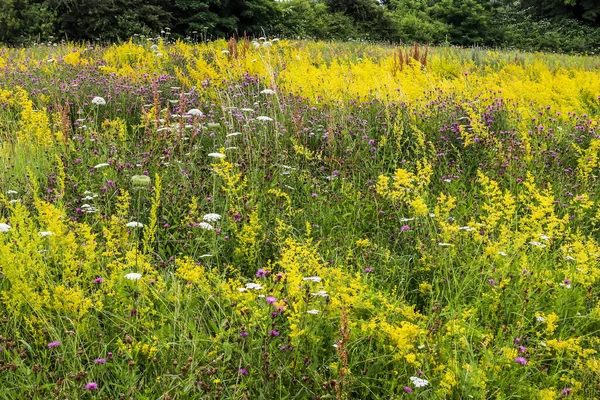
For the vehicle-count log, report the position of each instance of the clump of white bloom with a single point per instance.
(253, 286)
(313, 312)
(99, 101)
(233, 134)
(45, 233)
(4, 227)
(264, 118)
(206, 226)
(12, 192)
(267, 91)
(312, 279)
(133, 276)
(195, 112)
(134, 224)
(216, 155)
(419, 382)
(101, 165)
(211, 217)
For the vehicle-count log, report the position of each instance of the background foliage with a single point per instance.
(557, 25)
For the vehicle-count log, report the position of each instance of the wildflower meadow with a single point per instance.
(298, 220)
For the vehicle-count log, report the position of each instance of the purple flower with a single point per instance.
(274, 333)
(405, 228)
(243, 371)
(54, 344)
(100, 361)
(521, 360)
(314, 195)
(261, 273)
(368, 269)
(522, 349)
(271, 299)
(91, 386)
(244, 334)
(407, 389)
(98, 280)
(566, 391)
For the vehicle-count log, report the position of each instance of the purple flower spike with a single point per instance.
(54, 344)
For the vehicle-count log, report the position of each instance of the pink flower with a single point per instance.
(54, 344)
(271, 299)
(261, 273)
(405, 228)
(274, 333)
(521, 360)
(407, 389)
(91, 386)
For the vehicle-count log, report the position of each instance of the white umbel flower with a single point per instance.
(419, 382)
(315, 279)
(264, 118)
(45, 233)
(267, 91)
(99, 101)
(101, 165)
(206, 226)
(195, 112)
(253, 286)
(134, 224)
(4, 227)
(216, 155)
(211, 217)
(313, 312)
(133, 276)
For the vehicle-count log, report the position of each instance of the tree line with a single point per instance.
(553, 25)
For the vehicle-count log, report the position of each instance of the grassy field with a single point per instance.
(300, 220)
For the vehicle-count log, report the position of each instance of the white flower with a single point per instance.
(134, 224)
(320, 293)
(242, 289)
(445, 244)
(205, 255)
(101, 165)
(312, 279)
(247, 109)
(335, 345)
(14, 201)
(569, 258)
(211, 217)
(538, 244)
(195, 112)
(419, 382)
(539, 318)
(46, 233)
(4, 227)
(267, 91)
(466, 228)
(216, 155)
(206, 226)
(264, 118)
(12, 192)
(225, 51)
(234, 134)
(502, 253)
(313, 312)
(99, 101)
(565, 285)
(544, 237)
(253, 286)
(406, 219)
(431, 215)
(231, 148)
(133, 276)
(267, 44)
